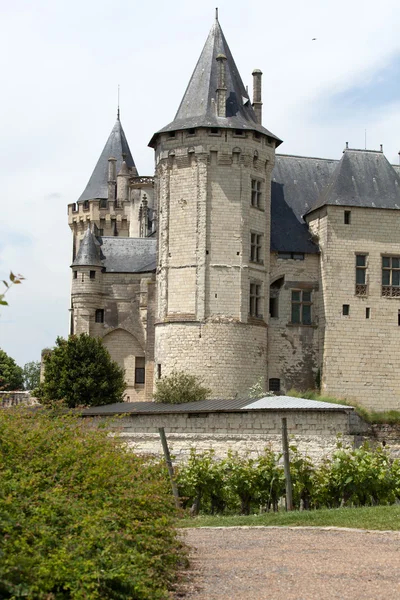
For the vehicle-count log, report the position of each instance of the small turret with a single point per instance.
(123, 184)
(112, 179)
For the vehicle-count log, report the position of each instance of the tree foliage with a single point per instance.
(31, 375)
(180, 387)
(80, 372)
(11, 377)
(81, 517)
(13, 280)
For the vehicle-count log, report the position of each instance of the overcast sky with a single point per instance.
(62, 60)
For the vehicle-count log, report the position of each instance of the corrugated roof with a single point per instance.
(89, 252)
(115, 147)
(128, 255)
(197, 108)
(290, 403)
(362, 178)
(297, 183)
(221, 405)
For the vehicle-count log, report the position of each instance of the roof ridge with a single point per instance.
(310, 157)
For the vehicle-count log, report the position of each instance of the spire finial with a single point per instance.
(118, 105)
(216, 14)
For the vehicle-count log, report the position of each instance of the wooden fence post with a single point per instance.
(286, 463)
(169, 465)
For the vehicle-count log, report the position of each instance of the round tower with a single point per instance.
(87, 302)
(213, 172)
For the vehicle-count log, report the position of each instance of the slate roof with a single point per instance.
(197, 108)
(222, 405)
(297, 183)
(89, 251)
(115, 147)
(397, 169)
(128, 255)
(362, 178)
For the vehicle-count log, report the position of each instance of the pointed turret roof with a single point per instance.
(197, 108)
(89, 252)
(117, 147)
(362, 178)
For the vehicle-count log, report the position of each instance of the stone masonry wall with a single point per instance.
(293, 350)
(361, 350)
(315, 433)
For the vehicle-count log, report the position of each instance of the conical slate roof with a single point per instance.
(115, 147)
(89, 252)
(197, 108)
(362, 178)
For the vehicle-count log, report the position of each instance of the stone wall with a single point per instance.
(9, 399)
(314, 432)
(361, 349)
(293, 350)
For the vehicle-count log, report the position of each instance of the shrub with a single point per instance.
(81, 517)
(11, 377)
(80, 372)
(180, 387)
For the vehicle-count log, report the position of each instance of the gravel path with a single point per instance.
(257, 563)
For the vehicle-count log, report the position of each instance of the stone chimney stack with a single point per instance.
(112, 176)
(221, 89)
(123, 184)
(257, 103)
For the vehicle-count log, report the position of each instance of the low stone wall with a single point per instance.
(388, 435)
(9, 399)
(314, 432)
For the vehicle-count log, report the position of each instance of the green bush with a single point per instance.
(350, 477)
(180, 387)
(79, 371)
(81, 517)
(11, 377)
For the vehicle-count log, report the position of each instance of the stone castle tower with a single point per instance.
(213, 184)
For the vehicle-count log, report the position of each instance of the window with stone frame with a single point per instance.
(361, 275)
(256, 193)
(255, 303)
(99, 315)
(301, 307)
(391, 276)
(256, 245)
(139, 370)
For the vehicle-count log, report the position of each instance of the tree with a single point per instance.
(11, 378)
(180, 387)
(80, 372)
(31, 374)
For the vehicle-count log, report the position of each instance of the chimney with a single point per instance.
(221, 89)
(112, 175)
(123, 184)
(381, 147)
(257, 103)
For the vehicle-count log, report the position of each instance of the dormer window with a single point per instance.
(86, 205)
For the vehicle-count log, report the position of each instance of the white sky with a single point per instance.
(61, 62)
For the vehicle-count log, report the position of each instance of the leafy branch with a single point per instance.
(13, 280)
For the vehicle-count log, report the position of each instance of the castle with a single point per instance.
(236, 263)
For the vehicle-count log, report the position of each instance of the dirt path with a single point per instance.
(292, 564)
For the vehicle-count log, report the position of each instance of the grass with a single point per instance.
(390, 417)
(370, 517)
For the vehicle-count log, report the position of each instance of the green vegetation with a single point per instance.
(350, 477)
(180, 387)
(368, 517)
(31, 375)
(79, 372)
(81, 517)
(391, 417)
(11, 376)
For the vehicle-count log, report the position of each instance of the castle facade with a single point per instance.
(237, 263)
